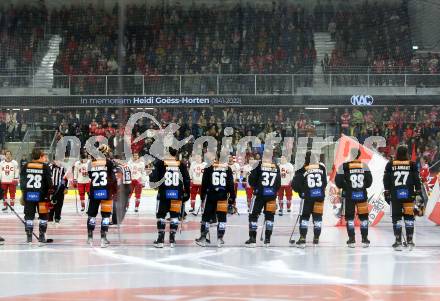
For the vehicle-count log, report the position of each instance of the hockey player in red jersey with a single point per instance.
(81, 179)
(9, 174)
(196, 174)
(138, 175)
(287, 173)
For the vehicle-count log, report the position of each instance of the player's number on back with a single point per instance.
(400, 178)
(219, 178)
(314, 180)
(171, 178)
(34, 181)
(268, 178)
(357, 181)
(99, 179)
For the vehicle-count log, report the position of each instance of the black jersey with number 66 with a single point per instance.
(218, 182)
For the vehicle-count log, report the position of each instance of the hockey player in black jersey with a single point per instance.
(354, 179)
(36, 185)
(172, 193)
(102, 189)
(265, 180)
(217, 191)
(403, 191)
(121, 198)
(310, 182)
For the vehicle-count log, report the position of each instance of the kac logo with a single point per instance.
(362, 100)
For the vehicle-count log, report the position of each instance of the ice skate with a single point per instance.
(410, 244)
(201, 241)
(280, 213)
(351, 242)
(172, 240)
(301, 243)
(42, 239)
(158, 243)
(267, 242)
(90, 238)
(29, 237)
(104, 241)
(365, 242)
(2, 241)
(397, 246)
(315, 241)
(251, 242)
(220, 242)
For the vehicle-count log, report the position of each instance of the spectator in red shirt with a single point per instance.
(393, 140)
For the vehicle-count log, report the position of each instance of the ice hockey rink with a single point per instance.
(132, 269)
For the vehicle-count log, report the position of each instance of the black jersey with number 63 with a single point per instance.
(218, 182)
(310, 181)
(265, 179)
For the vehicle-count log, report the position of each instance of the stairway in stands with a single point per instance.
(43, 78)
(323, 45)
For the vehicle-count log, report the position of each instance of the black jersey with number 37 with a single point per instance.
(265, 179)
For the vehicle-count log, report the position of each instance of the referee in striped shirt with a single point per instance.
(59, 181)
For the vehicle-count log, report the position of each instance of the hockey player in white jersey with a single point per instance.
(287, 173)
(9, 175)
(236, 171)
(196, 173)
(81, 179)
(138, 176)
(246, 171)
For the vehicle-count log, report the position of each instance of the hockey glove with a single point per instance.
(419, 207)
(185, 197)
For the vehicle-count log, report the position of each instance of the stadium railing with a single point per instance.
(229, 84)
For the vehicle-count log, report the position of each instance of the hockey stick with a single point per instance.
(48, 240)
(404, 243)
(202, 204)
(182, 212)
(292, 241)
(198, 210)
(76, 201)
(262, 230)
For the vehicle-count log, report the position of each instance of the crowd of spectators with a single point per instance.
(374, 39)
(21, 34)
(172, 40)
(409, 125)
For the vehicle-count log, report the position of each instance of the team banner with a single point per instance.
(376, 163)
(211, 100)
